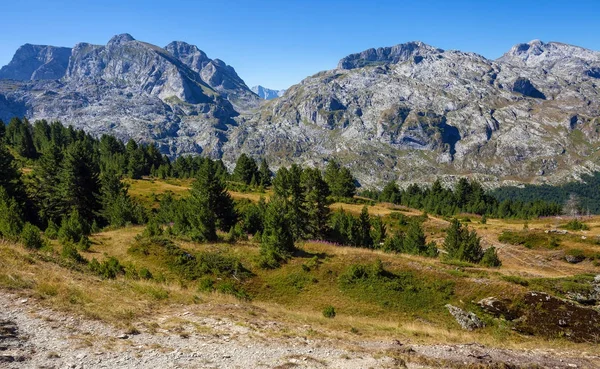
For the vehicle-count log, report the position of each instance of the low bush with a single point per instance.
(31, 238)
(329, 312)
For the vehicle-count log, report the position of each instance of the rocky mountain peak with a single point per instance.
(267, 93)
(537, 53)
(414, 50)
(33, 62)
(120, 39)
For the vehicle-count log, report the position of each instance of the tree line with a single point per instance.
(466, 197)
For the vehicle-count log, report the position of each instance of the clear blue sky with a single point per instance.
(278, 43)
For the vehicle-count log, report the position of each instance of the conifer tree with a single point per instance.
(264, 174)
(11, 216)
(46, 184)
(277, 242)
(245, 169)
(340, 180)
(317, 209)
(364, 226)
(378, 232)
(210, 205)
(414, 242)
(79, 185)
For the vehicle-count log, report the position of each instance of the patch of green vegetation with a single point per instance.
(531, 240)
(516, 280)
(575, 225)
(400, 291)
(563, 286)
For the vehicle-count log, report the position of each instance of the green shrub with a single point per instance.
(69, 251)
(144, 273)
(51, 231)
(490, 258)
(31, 238)
(11, 218)
(329, 312)
(576, 225)
(108, 269)
(528, 239)
(73, 228)
(516, 280)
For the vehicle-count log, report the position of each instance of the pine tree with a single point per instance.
(245, 169)
(11, 216)
(79, 185)
(10, 176)
(340, 180)
(414, 242)
(461, 244)
(277, 242)
(378, 232)
(317, 206)
(46, 183)
(264, 174)
(364, 227)
(210, 205)
(2, 131)
(390, 193)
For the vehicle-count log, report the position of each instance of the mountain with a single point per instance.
(410, 112)
(175, 96)
(267, 93)
(32, 62)
(414, 112)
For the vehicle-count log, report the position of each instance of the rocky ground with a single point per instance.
(32, 336)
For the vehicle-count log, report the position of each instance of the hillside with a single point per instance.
(282, 308)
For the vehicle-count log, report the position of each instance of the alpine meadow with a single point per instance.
(412, 207)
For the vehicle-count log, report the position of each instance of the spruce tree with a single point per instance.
(378, 232)
(79, 183)
(264, 174)
(340, 180)
(277, 242)
(317, 206)
(414, 242)
(364, 227)
(210, 206)
(46, 184)
(11, 216)
(245, 169)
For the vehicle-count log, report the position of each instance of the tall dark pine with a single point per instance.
(210, 204)
(340, 180)
(317, 209)
(10, 177)
(245, 169)
(277, 236)
(79, 186)
(46, 183)
(265, 174)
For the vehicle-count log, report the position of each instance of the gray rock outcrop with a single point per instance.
(467, 320)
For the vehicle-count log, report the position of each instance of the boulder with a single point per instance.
(467, 320)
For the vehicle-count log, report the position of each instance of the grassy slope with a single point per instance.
(300, 290)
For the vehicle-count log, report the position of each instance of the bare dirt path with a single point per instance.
(32, 336)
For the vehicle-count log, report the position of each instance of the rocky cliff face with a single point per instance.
(136, 90)
(32, 62)
(267, 93)
(413, 112)
(409, 113)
